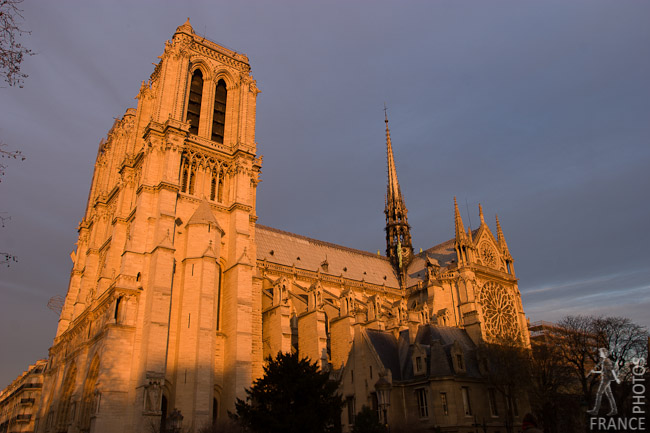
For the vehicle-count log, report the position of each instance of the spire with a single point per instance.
(394, 192)
(480, 214)
(458, 222)
(398, 236)
(501, 240)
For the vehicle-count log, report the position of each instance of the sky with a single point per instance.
(537, 110)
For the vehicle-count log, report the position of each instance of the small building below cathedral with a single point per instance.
(19, 402)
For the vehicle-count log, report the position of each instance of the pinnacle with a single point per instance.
(186, 27)
(501, 240)
(458, 221)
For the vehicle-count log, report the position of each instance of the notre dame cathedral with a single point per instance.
(177, 295)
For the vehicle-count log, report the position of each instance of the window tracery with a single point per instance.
(499, 312)
(195, 163)
(488, 255)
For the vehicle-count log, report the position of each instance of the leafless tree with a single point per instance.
(554, 391)
(8, 154)
(506, 365)
(579, 349)
(12, 54)
(12, 51)
(581, 337)
(6, 258)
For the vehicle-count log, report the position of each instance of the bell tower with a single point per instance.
(161, 296)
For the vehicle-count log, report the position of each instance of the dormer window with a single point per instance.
(419, 360)
(219, 115)
(459, 362)
(194, 104)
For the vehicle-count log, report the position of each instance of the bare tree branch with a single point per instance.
(12, 52)
(8, 154)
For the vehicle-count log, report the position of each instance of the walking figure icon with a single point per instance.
(608, 374)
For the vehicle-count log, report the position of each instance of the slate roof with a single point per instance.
(444, 254)
(284, 248)
(359, 265)
(437, 342)
(386, 347)
(446, 336)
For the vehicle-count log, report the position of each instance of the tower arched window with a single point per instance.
(213, 188)
(185, 173)
(219, 116)
(192, 179)
(194, 104)
(220, 187)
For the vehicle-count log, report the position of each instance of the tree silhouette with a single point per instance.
(293, 396)
(366, 421)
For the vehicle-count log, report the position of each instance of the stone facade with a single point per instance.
(177, 296)
(161, 310)
(19, 401)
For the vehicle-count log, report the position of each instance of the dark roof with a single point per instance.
(445, 337)
(385, 345)
(436, 341)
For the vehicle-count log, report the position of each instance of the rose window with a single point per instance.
(499, 312)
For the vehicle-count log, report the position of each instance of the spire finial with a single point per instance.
(480, 213)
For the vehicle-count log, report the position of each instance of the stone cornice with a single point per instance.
(219, 53)
(240, 206)
(267, 268)
(204, 143)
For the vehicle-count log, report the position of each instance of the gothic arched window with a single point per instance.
(90, 398)
(194, 104)
(219, 117)
(64, 414)
(192, 181)
(220, 187)
(185, 173)
(213, 188)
